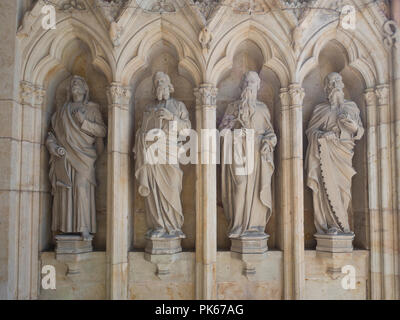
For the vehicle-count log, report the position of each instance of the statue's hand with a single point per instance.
(61, 152)
(165, 114)
(80, 115)
(266, 148)
(349, 124)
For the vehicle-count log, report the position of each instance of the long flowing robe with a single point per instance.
(246, 198)
(161, 183)
(73, 175)
(329, 165)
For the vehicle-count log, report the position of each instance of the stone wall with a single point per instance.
(292, 49)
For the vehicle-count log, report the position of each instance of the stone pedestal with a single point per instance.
(250, 244)
(158, 246)
(72, 243)
(163, 263)
(71, 249)
(334, 243)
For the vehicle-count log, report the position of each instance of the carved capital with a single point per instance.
(206, 95)
(118, 94)
(31, 94)
(26, 91)
(285, 97)
(39, 95)
(296, 94)
(382, 93)
(370, 97)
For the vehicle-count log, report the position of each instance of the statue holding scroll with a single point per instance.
(74, 143)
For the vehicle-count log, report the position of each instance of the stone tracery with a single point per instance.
(125, 56)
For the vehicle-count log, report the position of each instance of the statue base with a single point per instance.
(251, 244)
(71, 249)
(73, 243)
(164, 245)
(163, 262)
(334, 243)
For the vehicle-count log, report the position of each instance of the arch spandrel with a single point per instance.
(36, 66)
(221, 56)
(190, 60)
(363, 55)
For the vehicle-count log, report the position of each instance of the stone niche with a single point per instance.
(76, 60)
(333, 58)
(162, 57)
(249, 57)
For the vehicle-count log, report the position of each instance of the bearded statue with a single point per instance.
(332, 131)
(74, 143)
(246, 177)
(160, 180)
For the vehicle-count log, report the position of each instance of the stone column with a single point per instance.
(292, 205)
(206, 196)
(287, 223)
(118, 191)
(10, 155)
(391, 33)
(396, 107)
(31, 99)
(373, 194)
(396, 11)
(386, 189)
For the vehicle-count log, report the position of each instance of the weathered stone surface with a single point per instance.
(252, 245)
(334, 243)
(292, 46)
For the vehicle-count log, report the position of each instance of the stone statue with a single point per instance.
(74, 142)
(247, 197)
(161, 183)
(332, 131)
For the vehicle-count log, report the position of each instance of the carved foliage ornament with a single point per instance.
(206, 96)
(249, 6)
(71, 5)
(111, 9)
(370, 98)
(163, 6)
(206, 7)
(297, 95)
(31, 94)
(382, 93)
(118, 94)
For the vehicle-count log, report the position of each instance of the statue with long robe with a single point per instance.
(332, 131)
(74, 143)
(160, 180)
(247, 171)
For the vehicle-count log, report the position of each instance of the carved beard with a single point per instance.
(247, 104)
(163, 93)
(336, 97)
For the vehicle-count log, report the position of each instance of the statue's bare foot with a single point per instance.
(86, 235)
